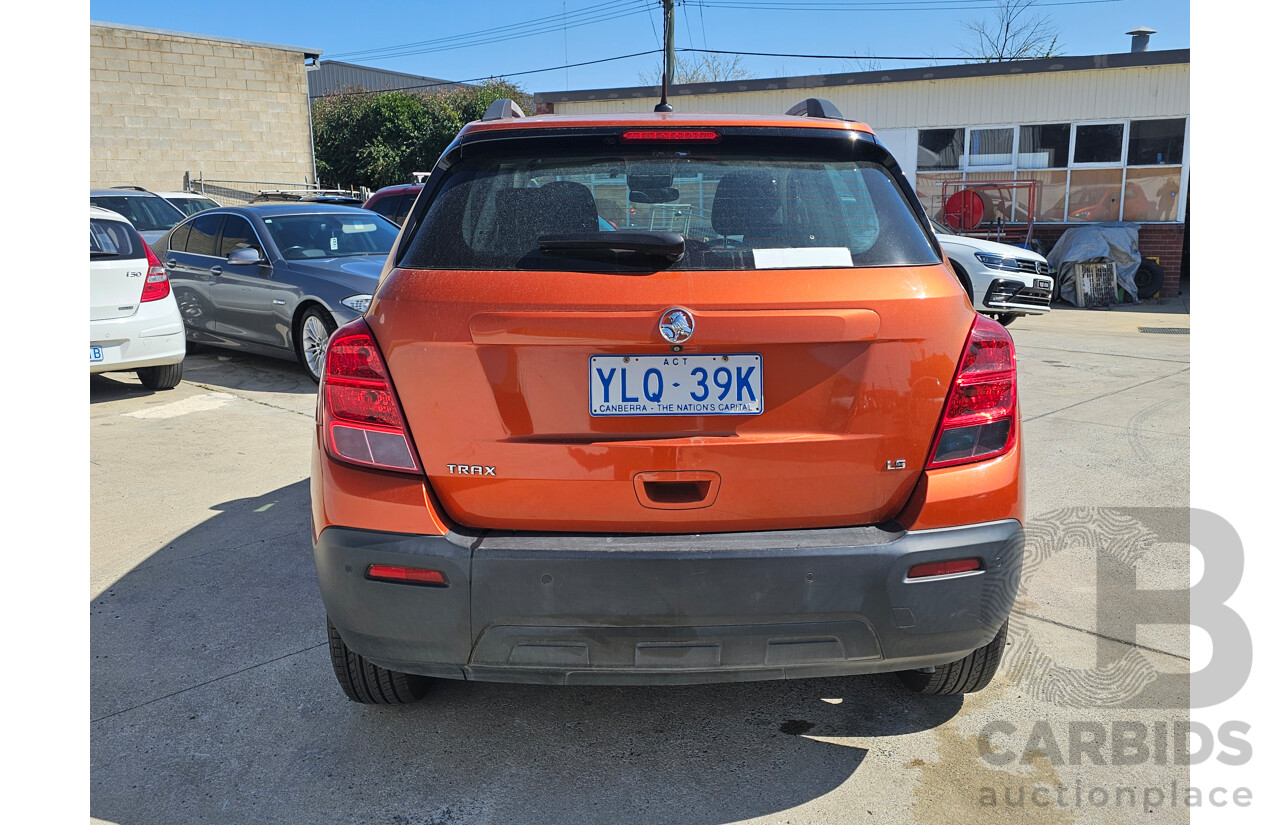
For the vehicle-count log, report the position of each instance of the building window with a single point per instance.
(939, 148)
(1044, 146)
(1099, 143)
(1151, 194)
(1094, 195)
(990, 147)
(1051, 194)
(1156, 142)
(929, 190)
(1085, 172)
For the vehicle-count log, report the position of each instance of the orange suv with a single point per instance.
(756, 431)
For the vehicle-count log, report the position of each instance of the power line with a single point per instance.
(875, 5)
(822, 56)
(529, 28)
(491, 76)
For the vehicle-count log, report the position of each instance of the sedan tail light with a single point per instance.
(979, 417)
(360, 413)
(156, 286)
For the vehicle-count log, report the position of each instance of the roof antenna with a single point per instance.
(664, 106)
(669, 52)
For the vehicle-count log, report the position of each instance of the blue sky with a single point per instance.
(926, 28)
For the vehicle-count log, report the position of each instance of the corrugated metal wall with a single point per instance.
(334, 77)
(1149, 91)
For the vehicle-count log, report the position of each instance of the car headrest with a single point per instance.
(556, 207)
(745, 202)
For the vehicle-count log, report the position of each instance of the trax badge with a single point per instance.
(676, 325)
(471, 470)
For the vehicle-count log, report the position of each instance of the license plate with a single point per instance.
(95, 354)
(676, 385)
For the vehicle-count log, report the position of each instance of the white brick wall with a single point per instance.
(161, 105)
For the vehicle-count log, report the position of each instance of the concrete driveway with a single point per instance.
(213, 699)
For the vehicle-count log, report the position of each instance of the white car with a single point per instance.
(134, 323)
(189, 202)
(1004, 281)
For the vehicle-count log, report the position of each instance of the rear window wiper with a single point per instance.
(667, 245)
(102, 253)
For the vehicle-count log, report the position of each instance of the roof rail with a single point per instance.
(134, 188)
(309, 195)
(816, 107)
(503, 108)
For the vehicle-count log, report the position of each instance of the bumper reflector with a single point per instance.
(406, 575)
(944, 568)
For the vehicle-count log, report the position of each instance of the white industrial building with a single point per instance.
(1104, 137)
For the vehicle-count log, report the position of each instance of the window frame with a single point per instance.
(1186, 128)
(222, 228)
(1110, 164)
(1012, 166)
(960, 159)
(217, 235)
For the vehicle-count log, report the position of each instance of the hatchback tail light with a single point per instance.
(978, 419)
(360, 413)
(156, 285)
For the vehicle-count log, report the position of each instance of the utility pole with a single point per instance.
(669, 56)
(669, 35)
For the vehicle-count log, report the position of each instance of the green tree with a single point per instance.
(379, 139)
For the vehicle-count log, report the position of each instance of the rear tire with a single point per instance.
(368, 684)
(161, 378)
(969, 675)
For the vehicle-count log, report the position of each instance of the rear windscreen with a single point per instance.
(147, 214)
(113, 239)
(191, 206)
(734, 212)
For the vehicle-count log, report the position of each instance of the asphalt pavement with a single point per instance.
(213, 699)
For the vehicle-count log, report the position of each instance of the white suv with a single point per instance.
(134, 323)
(1004, 281)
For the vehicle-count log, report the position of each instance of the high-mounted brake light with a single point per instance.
(686, 135)
(944, 568)
(360, 414)
(156, 286)
(978, 418)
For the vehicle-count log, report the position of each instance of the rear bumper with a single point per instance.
(151, 337)
(572, 609)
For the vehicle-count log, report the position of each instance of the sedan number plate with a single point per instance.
(95, 354)
(676, 385)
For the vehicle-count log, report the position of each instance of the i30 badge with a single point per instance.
(676, 325)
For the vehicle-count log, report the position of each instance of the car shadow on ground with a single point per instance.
(234, 370)
(213, 699)
(113, 386)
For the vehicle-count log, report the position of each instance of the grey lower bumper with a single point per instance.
(669, 609)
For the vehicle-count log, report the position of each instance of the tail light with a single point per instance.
(978, 419)
(361, 416)
(157, 284)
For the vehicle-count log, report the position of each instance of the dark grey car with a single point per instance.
(275, 279)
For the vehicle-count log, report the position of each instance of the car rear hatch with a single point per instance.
(788, 371)
(117, 269)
